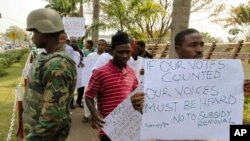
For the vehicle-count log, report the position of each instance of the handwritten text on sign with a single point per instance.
(74, 26)
(191, 99)
(123, 123)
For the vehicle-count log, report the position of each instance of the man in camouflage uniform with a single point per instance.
(51, 81)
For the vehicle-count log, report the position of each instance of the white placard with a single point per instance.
(74, 26)
(124, 123)
(87, 69)
(192, 99)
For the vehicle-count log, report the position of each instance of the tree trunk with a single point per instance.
(96, 13)
(180, 21)
(80, 12)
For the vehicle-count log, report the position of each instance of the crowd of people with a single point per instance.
(57, 72)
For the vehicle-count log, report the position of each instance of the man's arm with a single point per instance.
(96, 118)
(93, 89)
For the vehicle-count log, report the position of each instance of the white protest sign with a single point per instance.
(124, 123)
(74, 26)
(87, 69)
(191, 99)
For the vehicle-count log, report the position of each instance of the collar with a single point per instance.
(116, 69)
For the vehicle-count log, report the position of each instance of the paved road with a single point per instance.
(81, 131)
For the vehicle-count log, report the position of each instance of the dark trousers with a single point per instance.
(80, 92)
(105, 138)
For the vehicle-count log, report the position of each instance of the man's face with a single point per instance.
(74, 43)
(140, 49)
(121, 55)
(87, 45)
(63, 39)
(39, 39)
(191, 48)
(101, 46)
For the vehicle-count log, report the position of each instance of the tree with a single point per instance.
(236, 22)
(180, 21)
(19, 33)
(142, 19)
(66, 7)
(96, 13)
(137, 17)
(208, 38)
(240, 21)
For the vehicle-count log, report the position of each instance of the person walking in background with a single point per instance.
(51, 81)
(78, 58)
(89, 48)
(65, 43)
(142, 51)
(102, 44)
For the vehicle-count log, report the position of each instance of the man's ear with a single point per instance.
(111, 51)
(177, 49)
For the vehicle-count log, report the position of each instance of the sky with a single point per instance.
(15, 12)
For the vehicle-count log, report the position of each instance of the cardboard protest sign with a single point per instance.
(74, 26)
(191, 99)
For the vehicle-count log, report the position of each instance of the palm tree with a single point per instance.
(137, 17)
(240, 21)
(96, 13)
(65, 7)
(180, 21)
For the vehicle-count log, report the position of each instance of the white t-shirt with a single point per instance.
(77, 57)
(69, 50)
(136, 65)
(102, 60)
(94, 54)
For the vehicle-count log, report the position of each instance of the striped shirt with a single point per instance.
(111, 86)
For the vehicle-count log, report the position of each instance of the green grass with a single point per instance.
(8, 85)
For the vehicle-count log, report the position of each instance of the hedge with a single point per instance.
(10, 57)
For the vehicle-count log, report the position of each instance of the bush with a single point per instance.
(10, 57)
(2, 72)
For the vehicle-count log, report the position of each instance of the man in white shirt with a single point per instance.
(102, 44)
(63, 39)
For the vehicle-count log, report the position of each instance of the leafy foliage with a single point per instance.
(237, 21)
(8, 58)
(20, 33)
(142, 19)
(66, 7)
(208, 38)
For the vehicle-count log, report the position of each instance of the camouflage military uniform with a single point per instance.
(50, 88)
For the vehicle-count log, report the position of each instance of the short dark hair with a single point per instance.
(106, 44)
(119, 38)
(90, 42)
(141, 43)
(179, 37)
